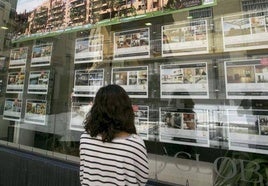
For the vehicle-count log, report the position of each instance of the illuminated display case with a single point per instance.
(196, 74)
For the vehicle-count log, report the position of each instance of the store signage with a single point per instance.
(239, 168)
(244, 170)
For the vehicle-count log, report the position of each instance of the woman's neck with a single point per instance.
(122, 134)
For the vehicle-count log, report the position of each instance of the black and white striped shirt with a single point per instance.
(123, 161)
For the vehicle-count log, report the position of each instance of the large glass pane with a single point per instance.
(195, 70)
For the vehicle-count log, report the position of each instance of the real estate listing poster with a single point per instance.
(18, 57)
(246, 79)
(41, 55)
(142, 120)
(88, 82)
(15, 82)
(184, 80)
(35, 112)
(78, 114)
(38, 82)
(248, 130)
(12, 109)
(89, 49)
(245, 33)
(132, 44)
(185, 39)
(188, 127)
(133, 79)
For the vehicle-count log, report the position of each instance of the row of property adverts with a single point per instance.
(243, 130)
(244, 79)
(176, 40)
(35, 110)
(37, 84)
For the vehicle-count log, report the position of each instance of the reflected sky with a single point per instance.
(28, 5)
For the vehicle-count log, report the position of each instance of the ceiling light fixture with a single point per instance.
(4, 28)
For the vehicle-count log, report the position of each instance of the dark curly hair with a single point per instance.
(111, 113)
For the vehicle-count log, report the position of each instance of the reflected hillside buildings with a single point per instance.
(5, 8)
(55, 15)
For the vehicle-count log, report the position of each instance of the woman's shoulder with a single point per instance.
(85, 135)
(86, 138)
(130, 137)
(136, 138)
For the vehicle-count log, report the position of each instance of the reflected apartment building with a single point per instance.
(58, 14)
(5, 8)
